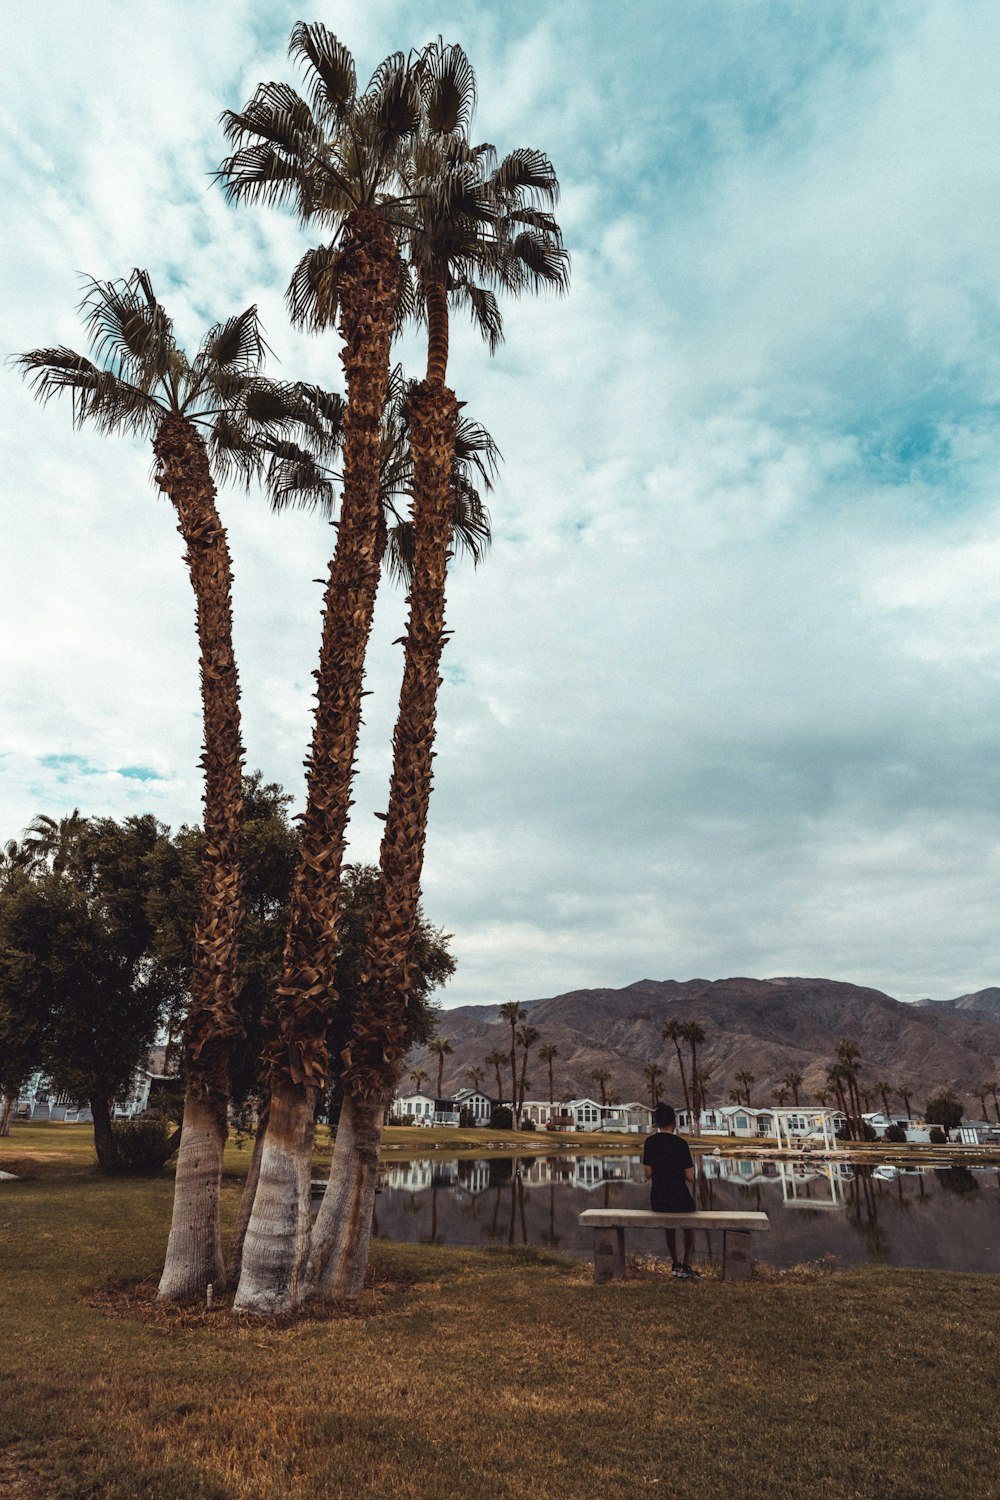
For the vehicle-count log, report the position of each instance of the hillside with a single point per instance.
(764, 1026)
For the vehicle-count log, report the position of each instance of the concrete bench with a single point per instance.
(609, 1226)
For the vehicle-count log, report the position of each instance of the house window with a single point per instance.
(741, 1122)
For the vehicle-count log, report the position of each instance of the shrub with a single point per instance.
(937, 1136)
(896, 1134)
(502, 1118)
(139, 1145)
(528, 1125)
(868, 1132)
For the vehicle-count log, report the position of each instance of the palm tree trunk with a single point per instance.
(342, 1232)
(684, 1086)
(194, 1249)
(9, 1100)
(273, 1258)
(277, 1236)
(695, 1092)
(234, 1255)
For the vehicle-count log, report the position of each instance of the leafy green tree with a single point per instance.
(944, 1108)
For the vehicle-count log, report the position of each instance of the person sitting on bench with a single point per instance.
(666, 1159)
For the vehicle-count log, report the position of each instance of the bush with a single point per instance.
(896, 1134)
(528, 1125)
(868, 1132)
(502, 1118)
(139, 1145)
(937, 1136)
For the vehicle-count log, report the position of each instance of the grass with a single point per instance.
(482, 1373)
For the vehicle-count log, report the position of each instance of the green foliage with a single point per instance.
(868, 1132)
(139, 1145)
(896, 1134)
(502, 1118)
(945, 1109)
(937, 1136)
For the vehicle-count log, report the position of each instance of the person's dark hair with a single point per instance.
(664, 1115)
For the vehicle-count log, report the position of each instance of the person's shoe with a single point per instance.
(677, 1269)
(688, 1273)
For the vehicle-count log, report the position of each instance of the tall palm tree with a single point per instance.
(527, 1036)
(420, 1076)
(673, 1032)
(476, 1077)
(496, 1060)
(653, 1073)
(694, 1034)
(199, 414)
(904, 1091)
(512, 1013)
(780, 1096)
(793, 1080)
(335, 157)
(848, 1059)
(883, 1089)
(991, 1087)
(442, 1048)
(548, 1054)
(50, 841)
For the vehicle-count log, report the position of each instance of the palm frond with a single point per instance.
(392, 102)
(533, 260)
(320, 414)
(329, 68)
(234, 450)
(98, 396)
(278, 115)
(525, 170)
(485, 311)
(313, 294)
(449, 88)
(296, 481)
(471, 531)
(237, 345)
(127, 326)
(476, 449)
(260, 174)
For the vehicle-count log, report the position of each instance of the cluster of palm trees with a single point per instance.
(417, 219)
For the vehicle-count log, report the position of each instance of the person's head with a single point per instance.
(664, 1117)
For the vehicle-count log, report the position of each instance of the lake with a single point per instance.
(945, 1219)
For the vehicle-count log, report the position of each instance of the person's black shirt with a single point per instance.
(668, 1155)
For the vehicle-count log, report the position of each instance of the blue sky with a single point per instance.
(725, 697)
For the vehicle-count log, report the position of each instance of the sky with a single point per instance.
(724, 698)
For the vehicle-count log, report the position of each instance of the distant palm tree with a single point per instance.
(883, 1089)
(822, 1098)
(653, 1073)
(780, 1096)
(476, 1077)
(848, 1060)
(673, 1032)
(548, 1054)
(443, 1048)
(512, 1012)
(693, 1033)
(793, 1080)
(736, 1096)
(527, 1036)
(991, 1088)
(420, 1076)
(904, 1091)
(600, 1076)
(746, 1079)
(496, 1060)
(981, 1093)
(51, 841)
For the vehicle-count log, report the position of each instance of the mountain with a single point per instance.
(763, 1026)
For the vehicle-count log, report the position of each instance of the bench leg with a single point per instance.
(609, 1254)
(736, 1262)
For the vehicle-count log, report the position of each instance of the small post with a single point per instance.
(609, 1254)
(209, 1297)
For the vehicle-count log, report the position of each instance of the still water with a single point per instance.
(948, 1218)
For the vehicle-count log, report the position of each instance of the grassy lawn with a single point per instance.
(477, 1373)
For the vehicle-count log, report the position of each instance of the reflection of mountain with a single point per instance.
(763, 1026)
(947, 1220)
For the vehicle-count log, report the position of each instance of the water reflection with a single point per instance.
(938, 1217)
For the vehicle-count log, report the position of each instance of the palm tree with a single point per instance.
(991, 1088)
(512, 1013)
(673, 1032)
(600, 1076)
(527, 1036)
(199, 413)
(335, 157)
(780, 1096)
(848, 1058)
(420, 1076)
(476, 1077)
(694, 1035)
(745, 1078)
(981, 1093)
(496, 1060)
(883, 1089)
(50, 841)
(904, 1091)
(793, 1080)
(443, 1048)
(653, 1073)
(548, 1054)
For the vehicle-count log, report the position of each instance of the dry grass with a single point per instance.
(481, 1374)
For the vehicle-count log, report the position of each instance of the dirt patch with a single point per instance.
(138, 1302)
(27, 1158)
